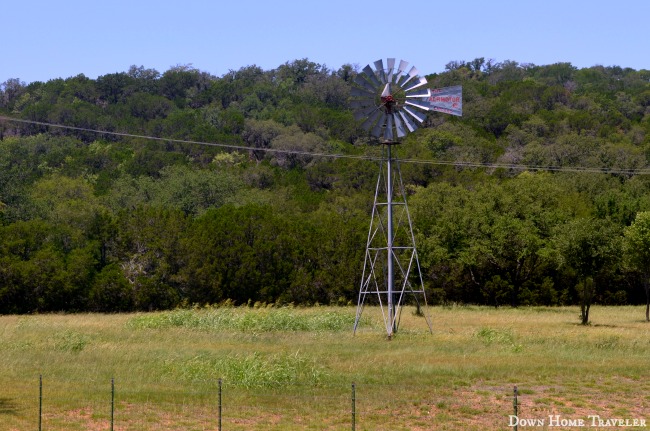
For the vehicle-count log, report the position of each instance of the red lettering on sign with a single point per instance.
(445, 99)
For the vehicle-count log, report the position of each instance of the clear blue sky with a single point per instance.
(43, 40)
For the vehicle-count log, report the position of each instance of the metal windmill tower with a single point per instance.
(390, 101)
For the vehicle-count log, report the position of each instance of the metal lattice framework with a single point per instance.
(391, 102)
(391, 269)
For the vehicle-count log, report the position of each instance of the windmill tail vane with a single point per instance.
(448, 100)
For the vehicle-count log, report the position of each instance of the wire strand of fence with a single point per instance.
(59, 403)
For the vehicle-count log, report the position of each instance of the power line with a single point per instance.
(185, 141)
(531, 167)
(454, 163)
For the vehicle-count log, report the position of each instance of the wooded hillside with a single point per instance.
(530, 198)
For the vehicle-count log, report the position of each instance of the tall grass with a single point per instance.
(253, 370)
(242, 319)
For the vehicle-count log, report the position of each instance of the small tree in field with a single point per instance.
(590, 249)
(636, 248)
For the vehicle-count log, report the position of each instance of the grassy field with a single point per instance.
(293, 369)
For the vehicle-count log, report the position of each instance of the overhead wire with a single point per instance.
(454, 163)
(186, 141)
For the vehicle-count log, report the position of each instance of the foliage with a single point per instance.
(589, 250)
(636, 248)
(226, 318)
(115, 222)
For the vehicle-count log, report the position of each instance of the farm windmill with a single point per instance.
(392, 102)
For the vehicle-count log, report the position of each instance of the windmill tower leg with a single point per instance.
(390, 282)
(391, 266)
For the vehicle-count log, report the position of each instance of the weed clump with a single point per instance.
(249, 371)
(264, 319)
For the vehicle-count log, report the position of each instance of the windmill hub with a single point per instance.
(387, 100)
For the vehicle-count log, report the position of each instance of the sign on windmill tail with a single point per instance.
(448, 100)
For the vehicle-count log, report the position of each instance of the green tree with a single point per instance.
(39, 271)
(636, 247)
(590, 249)
(111, 291)
(149, 255)
(21, 284)
(295, 148)
(238, 253)
(184, 188)
(113, 87)
(10, 92)
(260, 134)
(495, 234)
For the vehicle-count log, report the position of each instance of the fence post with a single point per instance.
(515, 404)
(220, 384)
(354, 406)
(112, 401)
(40, 402)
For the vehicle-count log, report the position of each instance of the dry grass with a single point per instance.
(292, 369)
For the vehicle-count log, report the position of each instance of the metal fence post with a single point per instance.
(354, 406)
(112, 401)
(40, 402)
(220, 384)
(515, 404)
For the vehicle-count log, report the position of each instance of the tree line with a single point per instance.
(556, 212)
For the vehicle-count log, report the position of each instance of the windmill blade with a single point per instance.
(361, 103)
(409, 123)
(376, 131)
(417, 115)
(371, 75)
(418, 83)
(364, 83)
(419, 104)
(364, 112)
(426, 92)
(390, 65)
(388, 131)
(412, 74)
(360, 92)
(371, 120)
(379, 68)
(400, 69)
(399, 126)
(386, 92)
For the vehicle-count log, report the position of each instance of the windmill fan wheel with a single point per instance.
(389, 100)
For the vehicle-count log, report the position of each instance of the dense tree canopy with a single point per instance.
(536, 195)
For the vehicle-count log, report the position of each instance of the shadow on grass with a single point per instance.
(594, 325)
(8, 407)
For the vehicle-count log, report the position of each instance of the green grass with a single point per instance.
(267, 319)
(292, 368)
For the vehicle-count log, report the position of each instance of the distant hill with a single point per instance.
(547, 165)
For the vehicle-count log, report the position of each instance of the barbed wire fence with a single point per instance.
(116, 405)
